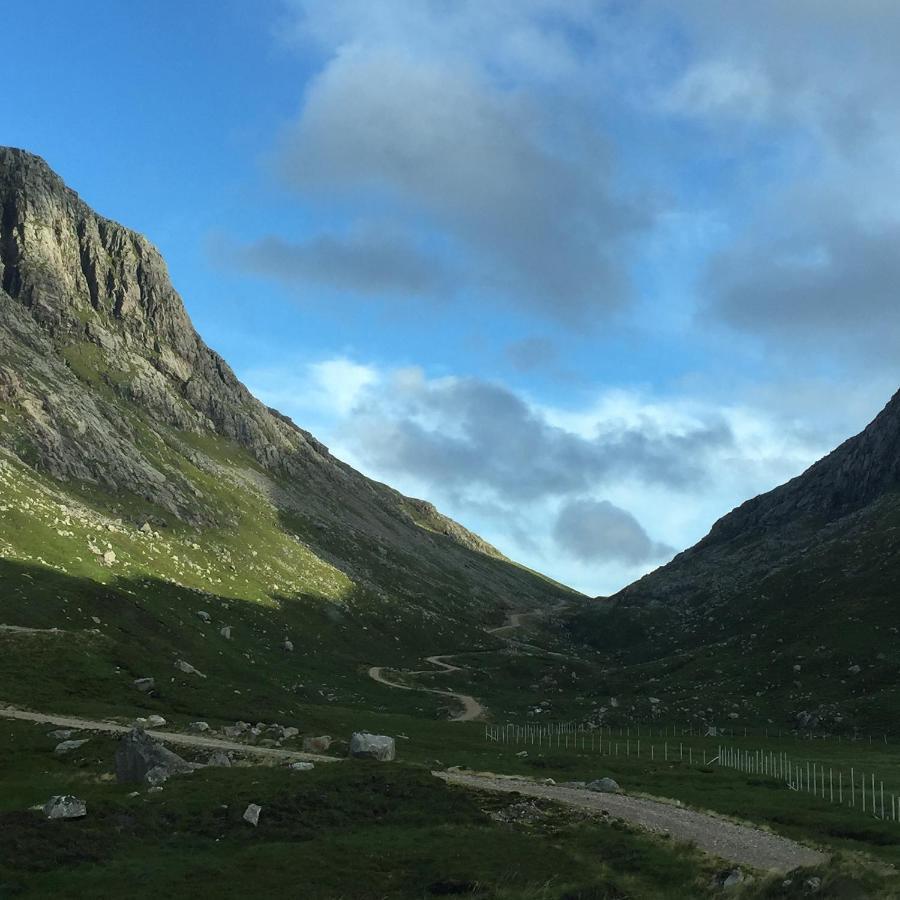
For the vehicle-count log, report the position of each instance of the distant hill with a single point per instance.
(789, 607)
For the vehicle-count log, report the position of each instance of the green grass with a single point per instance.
(352, 830)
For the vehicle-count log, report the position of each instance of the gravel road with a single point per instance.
(739, 844)
(166, 737)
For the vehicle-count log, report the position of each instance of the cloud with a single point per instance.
(475, 436)
(597, 531)
(370, 261)
(529, 354)
(525, 201)
(835, 280)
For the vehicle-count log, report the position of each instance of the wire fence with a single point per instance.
(850, 787)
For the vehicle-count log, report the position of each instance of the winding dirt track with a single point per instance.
(166, 737)
(739, 844)
(471, 708)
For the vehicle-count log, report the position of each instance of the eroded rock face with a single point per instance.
(372, 746)
(100, 361)
(141, 760)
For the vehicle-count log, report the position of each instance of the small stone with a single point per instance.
(146, 528)
(301, 766)
(187, 668)
(66, 746)
(204, 616)
(372, 746)
(199, 726)
(604, 786)
(65, 806)
(225, 631)
(522, 754)
(251, 814)
(854, 670)
(144, 685)
(288, 645)
(812, 884)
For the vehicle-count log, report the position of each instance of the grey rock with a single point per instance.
(225, 631)
(199, 727)
(251, 814)
(65, 806)
(316, 744)
(145, 685)
(288, 645)
(372, 746)
(301, 766)
(66, 746)
(155, 721)
(61, 734)
(204, 616)
(604, 786)
(187, 668)
(140, 759)
(220, 759)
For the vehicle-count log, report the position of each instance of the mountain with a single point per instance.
(139, 474)
(788, 609)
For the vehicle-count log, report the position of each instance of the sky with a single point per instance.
(586, 275)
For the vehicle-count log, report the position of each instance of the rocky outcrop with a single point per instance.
(141, 760)
(104, 382)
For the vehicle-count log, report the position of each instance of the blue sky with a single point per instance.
(584, 274)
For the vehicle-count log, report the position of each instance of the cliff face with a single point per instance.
(105, 384)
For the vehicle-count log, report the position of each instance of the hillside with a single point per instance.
(788, 609)
(141, 483)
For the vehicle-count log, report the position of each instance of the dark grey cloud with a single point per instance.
(597, 531)
(531, 215)
(532, 353)
(834, 283)
(368, 261)
(468, 434)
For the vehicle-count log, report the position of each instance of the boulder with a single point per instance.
(251, 814)
(289, 732)
(66, 746)
(65, 806)
(604, 786)
(141, 760)
(144, 685)
(220, 759)
(372, 746)
(61, 734)
(155, 721)
(203, 616)
(199, 726)
(301, 766)
(288, 645)
(316, 744)
(187, 668)
(225, 631)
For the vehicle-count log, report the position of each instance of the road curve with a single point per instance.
(471, 708)
(739, 844)
(166, 737)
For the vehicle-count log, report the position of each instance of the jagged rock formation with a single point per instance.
(106, 386)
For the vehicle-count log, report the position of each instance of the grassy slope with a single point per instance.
(782, 645)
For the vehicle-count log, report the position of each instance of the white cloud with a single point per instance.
(651, 474)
